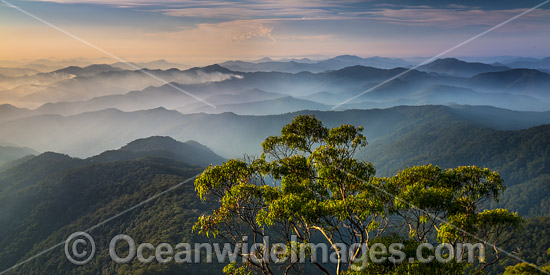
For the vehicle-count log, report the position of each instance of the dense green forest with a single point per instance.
(45, 198)
(522, 157)
(530, 243)
(95, 193)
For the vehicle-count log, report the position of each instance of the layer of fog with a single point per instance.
(36, 90)
(228, 134)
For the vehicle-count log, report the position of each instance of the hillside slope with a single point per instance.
(77, 199)
(52, 195)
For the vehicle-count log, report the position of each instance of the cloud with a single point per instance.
(461, 7)
(131, 2)
(236, 32)
(258, 32)
(449, 15)
(218, 30)
(234, 10)
(454, 18)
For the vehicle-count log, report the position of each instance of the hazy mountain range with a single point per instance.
(455, 67)
(530, 63)
(61, 122)
(11, 153)
(307, 65)
(76, 83)
(48, 65)
(125, 105)
(227, 134)
(511, 142)
(74, 90)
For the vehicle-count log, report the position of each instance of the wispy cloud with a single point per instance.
(258, 32)
(453, 18)
(234, 10)
(450, 15)
(245, 28)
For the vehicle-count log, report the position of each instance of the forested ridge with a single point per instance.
(47, 197)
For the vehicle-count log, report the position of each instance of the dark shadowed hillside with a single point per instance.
(190, 152)
(76, 199)
(281, 105)
(47, 196)
(519, 81)
(455, 67)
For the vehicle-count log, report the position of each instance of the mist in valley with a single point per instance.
(84, 118)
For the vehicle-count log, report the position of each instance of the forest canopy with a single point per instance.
(308, 187)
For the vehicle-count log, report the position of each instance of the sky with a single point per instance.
(204, 32)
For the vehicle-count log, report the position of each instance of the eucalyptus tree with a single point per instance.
(307, 187)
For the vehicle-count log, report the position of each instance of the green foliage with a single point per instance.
(296, 187)
(233, 269)
(53, 207)
(530, 243)
(521, 156)
(408, 267)
(308, 182)
(530, 198)
(524, 269)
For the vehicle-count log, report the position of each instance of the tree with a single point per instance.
(525, 268)
(307, 186)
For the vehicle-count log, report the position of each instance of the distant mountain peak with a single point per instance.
(517, 72)
(216, 68)
(455, 67)
(100, 66)
(256, 90)
(50, 157)
(264, 59)
(448, 60)
(8, 106)
(68, 68)
(348, 57)
(162, 147)
(88, 70)
(156, 142)
(356, 69)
